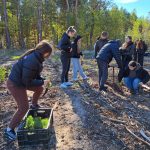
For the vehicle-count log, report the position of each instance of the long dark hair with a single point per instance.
(43, 47)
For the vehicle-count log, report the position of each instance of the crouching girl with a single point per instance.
(134, 75)
(25, 75)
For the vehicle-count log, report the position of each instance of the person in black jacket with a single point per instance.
(141, 48)
(127, 51)
(134, 75)
(25, 75)
(65, 46)
(75, 56)
(101, 42)
(105, 55)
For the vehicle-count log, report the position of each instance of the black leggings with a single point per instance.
(65, 60)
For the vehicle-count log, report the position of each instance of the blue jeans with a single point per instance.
(132, 83)
(77, 67)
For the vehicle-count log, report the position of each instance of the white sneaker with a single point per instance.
(86, 78)
(74, 79)
(63, 85)
(68, 83)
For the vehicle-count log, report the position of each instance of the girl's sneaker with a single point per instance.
(68, 83)
(10, 135)
(63, 86)
(75, 79)
(86, 78)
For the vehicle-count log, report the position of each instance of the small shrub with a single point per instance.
(2, 74)
(15, 57)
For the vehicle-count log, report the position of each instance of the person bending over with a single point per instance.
(105, 55)
(25, 75)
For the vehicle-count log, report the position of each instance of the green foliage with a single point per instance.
(15, 57)
(2, 74)
(36, 123)
(90, 17)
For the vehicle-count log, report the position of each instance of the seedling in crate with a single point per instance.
(36, 128)
(36, 123)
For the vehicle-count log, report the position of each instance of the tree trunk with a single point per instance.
(91, 31)
(8, 40)
(68, 13)
(76, 14)
(39, 20)
(20, 32)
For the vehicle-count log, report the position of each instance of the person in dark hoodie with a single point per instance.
(141, 48)
(75, 59)
(65, 46)
(25, 75)
(105, 55)
(134, 75)
(101, 41)
(127, 51)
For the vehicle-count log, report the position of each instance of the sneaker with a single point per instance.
(35, 106)
(132, 91)
(86, 78)
(74, 79)
(68, 83)
(63, 85)
(137, 92)
(10, 135)
(104, 88)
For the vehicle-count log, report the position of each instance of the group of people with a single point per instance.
(70, 52)
(25, 73)
(129, 57)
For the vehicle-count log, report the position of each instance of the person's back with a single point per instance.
(101, 42)
(31, 62)
(105, 55)
(110, 50)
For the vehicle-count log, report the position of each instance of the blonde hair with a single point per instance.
(71, 29)
(43, 47)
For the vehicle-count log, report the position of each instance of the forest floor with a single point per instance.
(84, 118)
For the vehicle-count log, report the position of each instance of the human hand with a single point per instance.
(46, 82)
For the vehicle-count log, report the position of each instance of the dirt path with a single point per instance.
(83, 117)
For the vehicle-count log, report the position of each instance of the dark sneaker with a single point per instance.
(35, 106)
(132, 92)
(137, 92)
(104, 88)
(10, 135)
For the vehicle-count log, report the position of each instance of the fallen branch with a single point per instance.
(114, 120)
(144, 135)
(145, 142)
